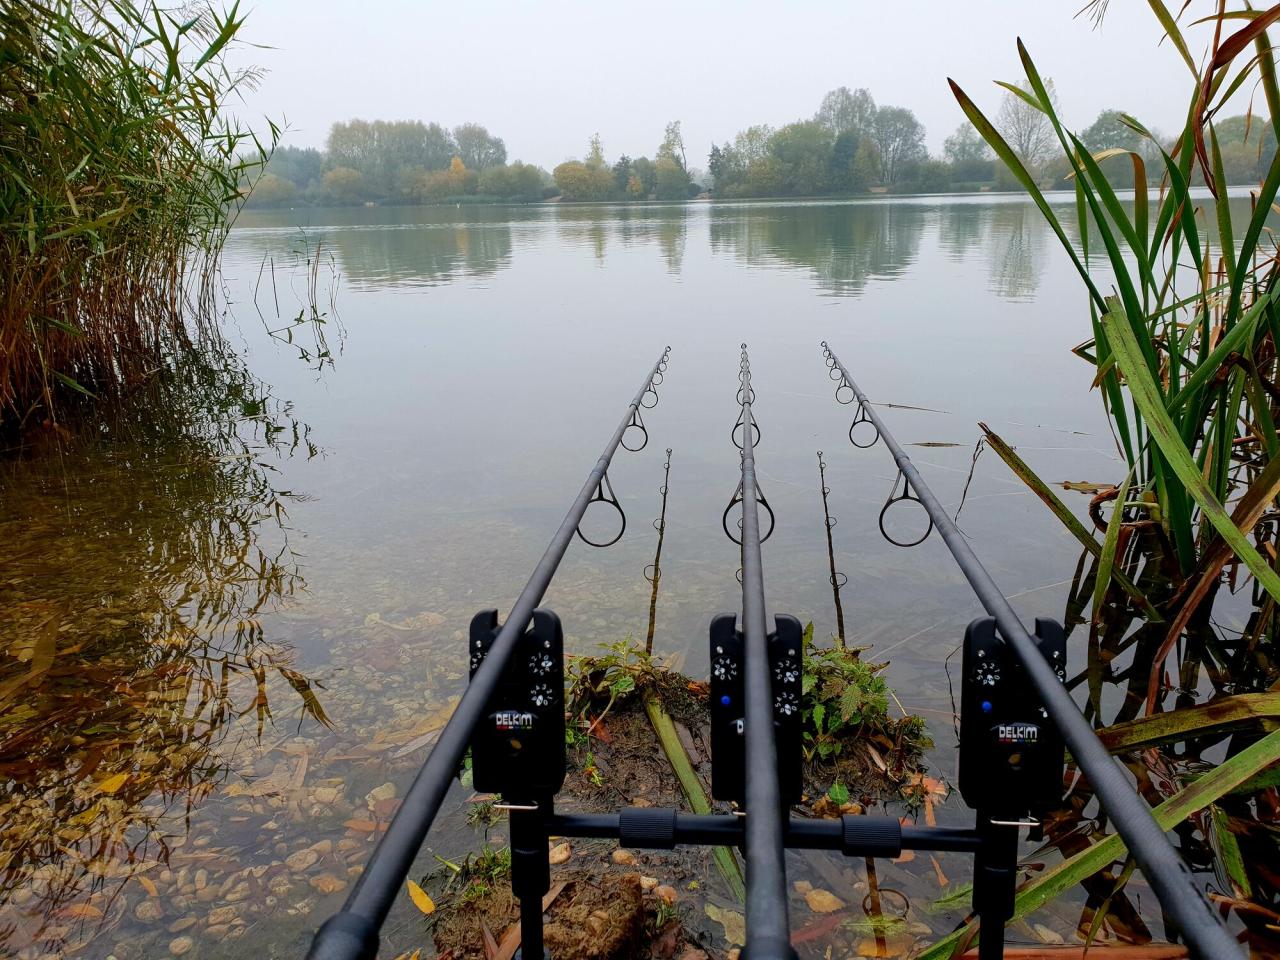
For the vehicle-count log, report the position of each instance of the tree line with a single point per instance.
(851, 145)
(398, 161)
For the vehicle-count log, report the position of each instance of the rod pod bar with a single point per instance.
(352, 933)
(768, 930)
(1174, 884)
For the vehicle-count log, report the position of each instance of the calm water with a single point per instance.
(483, 356)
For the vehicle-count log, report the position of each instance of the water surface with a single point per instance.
(482, 357)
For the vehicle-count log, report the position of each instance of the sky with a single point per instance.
(546, 76)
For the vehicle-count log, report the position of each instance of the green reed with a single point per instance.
(1182, 306)
(120, 174)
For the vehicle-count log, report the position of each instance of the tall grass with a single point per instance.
(119, 177)
(1182, 306)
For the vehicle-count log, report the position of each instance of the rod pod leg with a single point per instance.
(995, 875)
(530, 877)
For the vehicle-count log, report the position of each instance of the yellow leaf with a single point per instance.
(113, 783)
(420, 898)
(149, 886)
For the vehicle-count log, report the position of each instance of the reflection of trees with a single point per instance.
(961, 226)
(595, 226)
(421, 255)
(1017, 250)
(136, 571)
(844, 245)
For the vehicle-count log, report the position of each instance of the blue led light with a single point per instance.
(725, 701)
(986, 706)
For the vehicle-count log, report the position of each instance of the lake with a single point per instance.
(481, 357)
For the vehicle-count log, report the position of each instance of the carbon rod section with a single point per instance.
(352, 933)
(768, 931)
(1173, 882)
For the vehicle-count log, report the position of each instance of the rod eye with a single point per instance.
(860, 418)
(612, 501)
(895, 498)
(637, 423)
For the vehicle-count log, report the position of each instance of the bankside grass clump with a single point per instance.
(1182, 301)
(119, 177)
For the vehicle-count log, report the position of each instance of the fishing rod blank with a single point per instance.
(1165, 870)
(768, 930)
(352, 933)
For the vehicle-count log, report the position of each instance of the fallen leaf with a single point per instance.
(823, 901)
(113, 783)
(734, 923)
(361, 826)
(421, 899)
(148, 886)
(560, 853)
(937, 868)
(80, 911)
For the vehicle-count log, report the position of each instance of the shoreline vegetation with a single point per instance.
(850, 148)
(122, 173)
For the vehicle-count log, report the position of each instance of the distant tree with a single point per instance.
(270, 190)
(933, 175)
(478, 148)
(642, 168)
(527, 181)
(438, 147)
(803, 152)
(752, 144)
(672, 145)
(970, 156)
(1027, 129)
(635, 189)
(965, 145)
(595, 154)
(899, 136)
(300, 166)
(577, 181)
(1108, 132)
(845, 111)
(843, 152)
(344, 185)
(673, 180)
(495, 182)
(866, 165)
(622, 172)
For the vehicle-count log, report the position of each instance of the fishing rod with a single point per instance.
(661, 526)
(352, 933)
(1165, 870)
(838, 579)
(768, 931)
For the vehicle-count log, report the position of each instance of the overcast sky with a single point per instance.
(545, 76)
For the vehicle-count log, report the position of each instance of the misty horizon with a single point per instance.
(534, 94)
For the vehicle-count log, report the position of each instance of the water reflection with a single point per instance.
(594, 227)
(136, 571)
(843, 246)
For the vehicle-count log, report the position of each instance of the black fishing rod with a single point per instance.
(352, 933)
(1165, 870)
(768, 930)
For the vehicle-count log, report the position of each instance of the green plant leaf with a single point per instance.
(1192, 799)
(1107, 560)
(1146, 395)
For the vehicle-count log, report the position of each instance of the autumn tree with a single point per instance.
(1027, 129)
